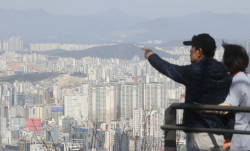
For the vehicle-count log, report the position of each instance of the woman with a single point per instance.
(236, 60)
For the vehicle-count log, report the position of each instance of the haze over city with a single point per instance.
(142, 8)
(128, 21)
(73, 76)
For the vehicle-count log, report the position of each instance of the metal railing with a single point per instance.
(170, 126)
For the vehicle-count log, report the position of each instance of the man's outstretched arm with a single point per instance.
(175, 72)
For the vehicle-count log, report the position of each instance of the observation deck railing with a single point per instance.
(170, 126)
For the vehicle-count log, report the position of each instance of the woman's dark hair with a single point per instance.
(235, 58)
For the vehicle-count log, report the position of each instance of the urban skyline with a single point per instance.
(111, 98)
(73, 76)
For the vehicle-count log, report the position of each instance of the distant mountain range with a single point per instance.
(114, 25)
(30, 77)
(124, 51)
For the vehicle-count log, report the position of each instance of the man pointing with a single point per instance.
(206, 81)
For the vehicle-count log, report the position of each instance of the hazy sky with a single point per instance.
(145, 8)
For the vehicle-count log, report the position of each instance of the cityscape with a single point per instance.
(63, 103)
(73, 76)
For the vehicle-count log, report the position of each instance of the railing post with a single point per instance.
(170, 135)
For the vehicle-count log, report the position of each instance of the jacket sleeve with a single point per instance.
(177, 73)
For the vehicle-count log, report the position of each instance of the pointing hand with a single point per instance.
(148, 52)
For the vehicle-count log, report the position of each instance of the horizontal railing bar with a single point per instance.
(212, 130)
(209, 107)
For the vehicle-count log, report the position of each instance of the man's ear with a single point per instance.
(201, 54)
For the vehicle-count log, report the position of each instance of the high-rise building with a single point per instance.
(76, 106)
(121, 141)
(247, 45)
(1, 123)
(154, 95)
(56, 112)
(109, 139)
(138, 122)
(44, 46)
(131, 97)
(92, 103)
(68, 123)
(103, 102)
(5, 45)
(112, 97)
(36, 112)
(17, 123)
(92, 75)
(18, 111)
(23, 145)
(98, 97)
(138, 103)
(15, 43)
(56, 93)
(53, 134)
(128, 96)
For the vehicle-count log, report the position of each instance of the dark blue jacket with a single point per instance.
(206, 81)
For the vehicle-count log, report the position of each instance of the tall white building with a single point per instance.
(2, 123)
(15, 43)
(44, 46)
(5, 45)
(103, 103)
(112, 97)
(92, 75)
(138, 122)
(35, 112)
(16, 123)
(248, 52)
(84, 89)
(76, 106)
(57, 93)
(97, 103)
(247, 45)
(154, 95)
(109, 139)
(128, 97)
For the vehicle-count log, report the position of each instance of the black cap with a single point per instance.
(204, 41)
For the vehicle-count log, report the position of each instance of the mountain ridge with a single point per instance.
(37, 26)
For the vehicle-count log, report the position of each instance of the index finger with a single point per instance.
(144, 48)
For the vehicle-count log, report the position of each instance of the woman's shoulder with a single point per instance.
(241, 79)
(242, 75)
